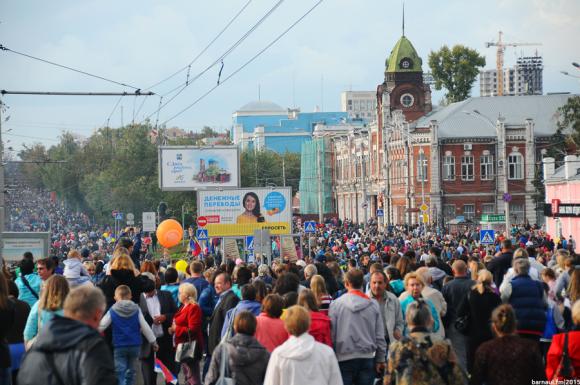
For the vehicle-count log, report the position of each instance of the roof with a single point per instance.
(262, 106)
(403, 49)
(476, 117)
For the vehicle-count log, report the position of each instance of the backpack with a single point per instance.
(413, 362)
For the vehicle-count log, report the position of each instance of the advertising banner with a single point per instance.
(15, 244)
(187, 168)
(239, 212)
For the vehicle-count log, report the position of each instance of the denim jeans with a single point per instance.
(359, 371)
(126, 363)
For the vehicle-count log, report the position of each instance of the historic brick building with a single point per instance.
(475, 157)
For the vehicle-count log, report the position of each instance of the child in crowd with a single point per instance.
(128, 323)
(74, 270)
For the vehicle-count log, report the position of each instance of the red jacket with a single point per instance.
(555, 353)
(320, 327)
(188, 318)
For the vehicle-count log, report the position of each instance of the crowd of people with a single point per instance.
(360, 305)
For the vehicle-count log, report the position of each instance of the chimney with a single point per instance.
(571, 166)
(549, 168)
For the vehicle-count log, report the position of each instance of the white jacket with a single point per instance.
(300, 361)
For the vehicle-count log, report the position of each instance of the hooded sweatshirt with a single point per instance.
(302, 360)
(357, 328)
(128, 323)
(80, 355)
(247, 361)
(75, 273)
(253, 307)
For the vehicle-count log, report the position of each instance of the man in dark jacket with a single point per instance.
(501, 264)
(70, 350)
(454, 293)
(158, 309)
(227, 300)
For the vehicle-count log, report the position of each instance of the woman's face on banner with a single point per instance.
(250, 203)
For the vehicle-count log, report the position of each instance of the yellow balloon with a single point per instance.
(169, 233)
(181, 265)
(106, 235)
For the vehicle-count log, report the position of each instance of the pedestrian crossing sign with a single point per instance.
(487, 237)
(250, 242)
(310, 227)
(201, 234)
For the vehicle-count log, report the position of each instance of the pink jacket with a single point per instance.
(270, 332)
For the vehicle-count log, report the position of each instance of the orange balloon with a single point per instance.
(169, 233)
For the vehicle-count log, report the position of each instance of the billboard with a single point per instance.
(239, 212)
(186, 168)
(15, 244)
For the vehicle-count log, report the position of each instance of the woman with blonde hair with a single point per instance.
(187, 328)
(475, 313)
(51, 302)
(318, 287)
(121, 272)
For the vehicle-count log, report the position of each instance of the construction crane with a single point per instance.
(500, 51)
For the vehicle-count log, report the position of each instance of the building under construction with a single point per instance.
(526, 78)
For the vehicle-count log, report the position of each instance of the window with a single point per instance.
(448, 212)
(486, 167)
(422, 167)
(488, 208)
(469, 211)
(448, 167)
(515, 166)
(517, 213)
(467, 167)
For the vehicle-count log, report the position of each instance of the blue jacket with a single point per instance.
(253, 307)
(408, 300)
(173, 288)
(24, 292)
(126, 329)
(527, 299)
(200, 284)
(207, 300)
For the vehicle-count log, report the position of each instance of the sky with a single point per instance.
(341, 45)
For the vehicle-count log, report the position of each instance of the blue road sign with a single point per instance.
(119, 216)
(487, 237)
(250, 242)
(201, 234)
(310, 227)
(380, 213)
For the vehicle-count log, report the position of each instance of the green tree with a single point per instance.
(455, 70)
(569, 121)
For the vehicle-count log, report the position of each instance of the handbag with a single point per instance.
(185, 350)
(223, 379)
(462, 323)
(565, 369)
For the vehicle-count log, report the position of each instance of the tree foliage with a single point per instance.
(455, 70)
(117, 169)
(569, 122)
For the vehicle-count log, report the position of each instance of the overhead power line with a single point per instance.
(3, 48)
(183, 86)
(187, 67)
(247, 62)
(58, 93)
